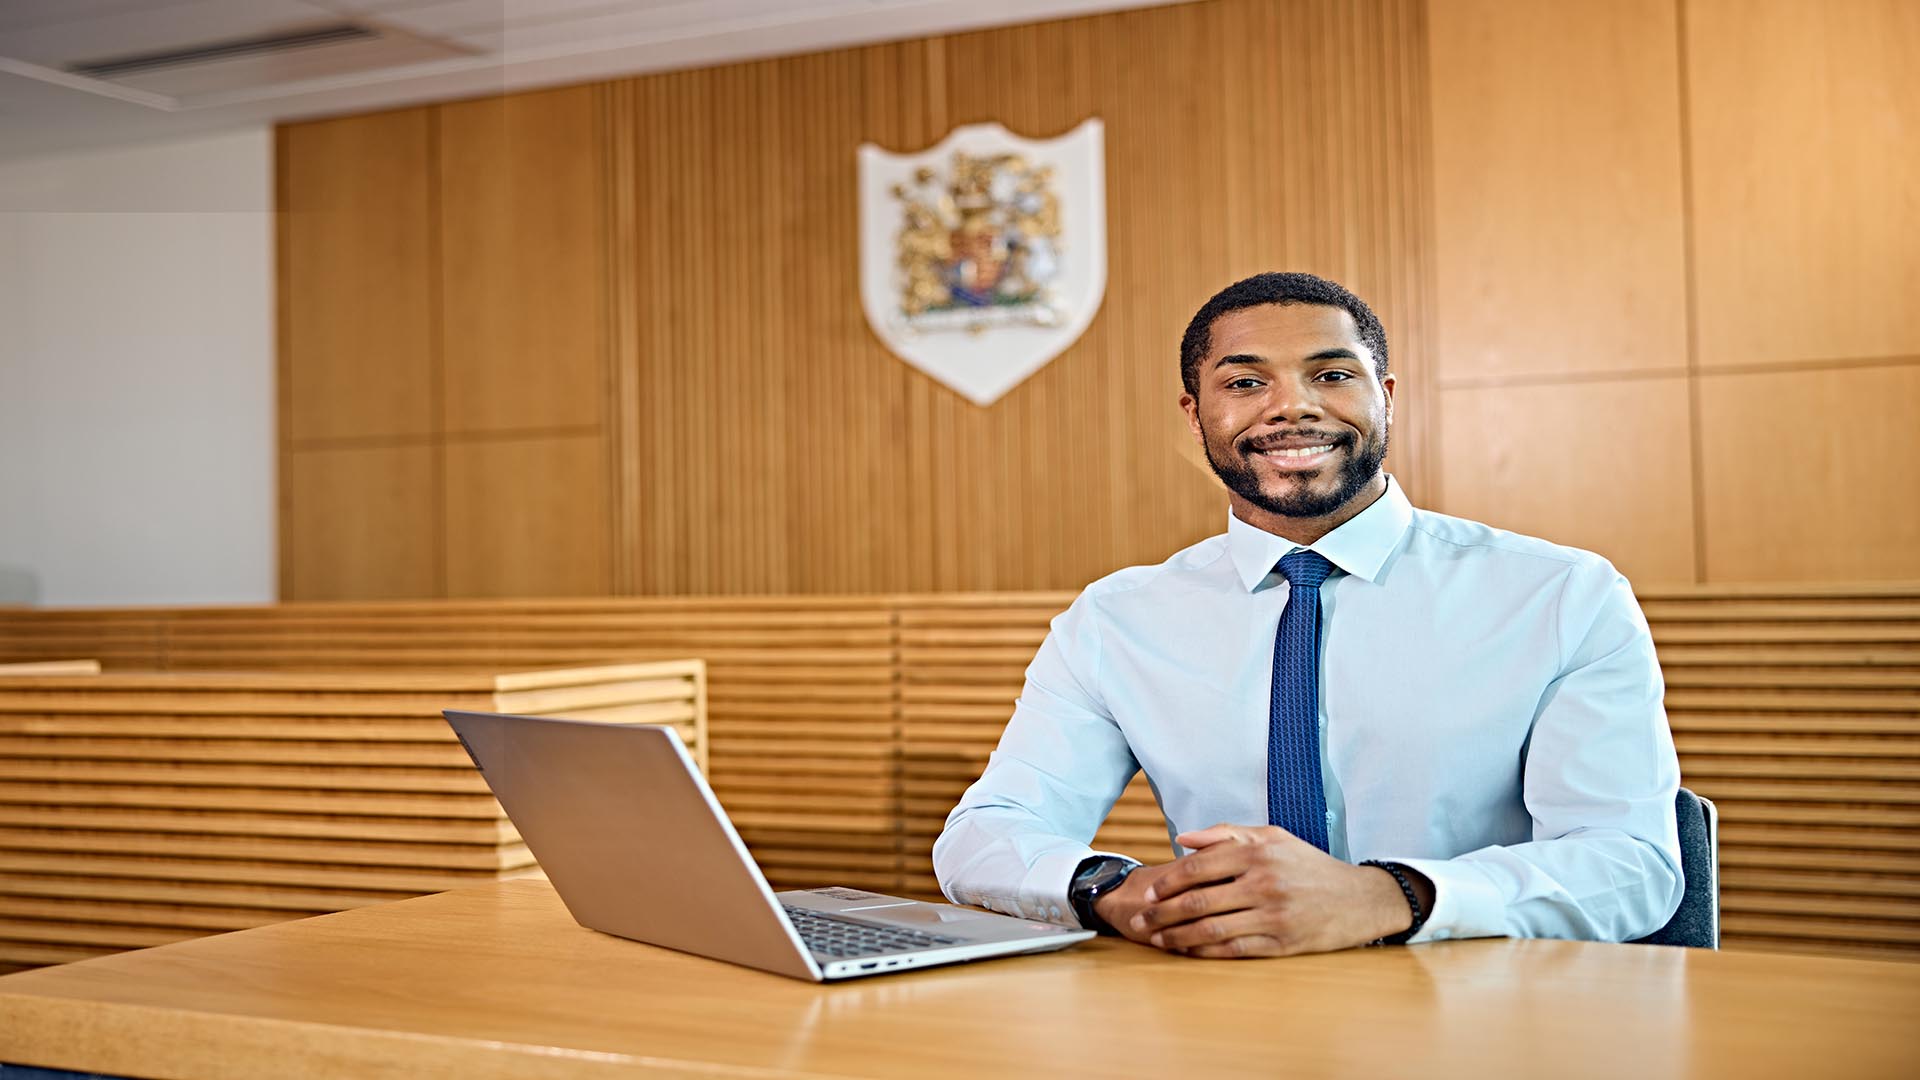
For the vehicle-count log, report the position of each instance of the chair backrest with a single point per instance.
(1697, 922)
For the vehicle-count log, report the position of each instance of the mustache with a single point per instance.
(1273, 440)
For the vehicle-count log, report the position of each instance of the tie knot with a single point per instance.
(1305, 569)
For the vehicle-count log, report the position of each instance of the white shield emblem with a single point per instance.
(984, 257)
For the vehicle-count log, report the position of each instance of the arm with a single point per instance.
(1604, 862)
(1018, 833)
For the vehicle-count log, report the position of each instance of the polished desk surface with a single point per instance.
(498, 981)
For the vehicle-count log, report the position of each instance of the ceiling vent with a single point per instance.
(241, 68)
(233, 49)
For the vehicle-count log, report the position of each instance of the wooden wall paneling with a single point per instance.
(1598, 465)
(1805, 165)
(1010, 499)
(962, 665)
(361, 522)
(614, 112)
(1557, 188)
(1798, 712)
(117, 638)
(1809, 475)
(524, 275)
(527, 516)
(358, 319)
(903, 93)
(774, 458)
(803, 755)
(846, 393)
(678, 362)
(763, 441)
(1407, 263)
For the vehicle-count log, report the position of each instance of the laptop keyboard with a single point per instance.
(835, 935)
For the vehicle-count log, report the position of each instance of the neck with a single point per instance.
(1307, 530)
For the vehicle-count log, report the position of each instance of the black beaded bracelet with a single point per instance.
(1413, 901)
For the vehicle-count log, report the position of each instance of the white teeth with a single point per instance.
(1300, 452)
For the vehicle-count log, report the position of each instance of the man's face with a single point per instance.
(1289, 411)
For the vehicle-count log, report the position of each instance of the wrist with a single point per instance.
(1406, 898)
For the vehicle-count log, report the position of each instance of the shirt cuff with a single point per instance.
(1043, 892)
(1466, 903)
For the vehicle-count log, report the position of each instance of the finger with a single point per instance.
(1222, 862)
(1213, 834)
(1190, 905)
(1213, 930)
(1245, 947)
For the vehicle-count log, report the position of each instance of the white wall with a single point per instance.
(136, 374)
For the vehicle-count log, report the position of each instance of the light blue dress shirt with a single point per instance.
(1490, 714)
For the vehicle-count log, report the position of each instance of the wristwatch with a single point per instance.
(1095, 877)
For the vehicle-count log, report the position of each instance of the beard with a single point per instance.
(1360, 465)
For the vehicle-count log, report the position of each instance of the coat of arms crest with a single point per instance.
(985, 256)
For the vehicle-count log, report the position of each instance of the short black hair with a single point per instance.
(1276, 288)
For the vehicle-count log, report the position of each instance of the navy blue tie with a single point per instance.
(1296, 800)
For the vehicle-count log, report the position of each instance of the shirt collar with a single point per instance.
(1360, 546)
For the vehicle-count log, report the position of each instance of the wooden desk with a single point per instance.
(497, 981)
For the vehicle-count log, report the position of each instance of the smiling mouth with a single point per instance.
(1298, 453)
(1297, 459)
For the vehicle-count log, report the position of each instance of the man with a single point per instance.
(1408, 726)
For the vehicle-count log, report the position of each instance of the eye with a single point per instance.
(1336, 376)
(1243, 382)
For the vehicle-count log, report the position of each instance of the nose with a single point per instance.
(1292, 399)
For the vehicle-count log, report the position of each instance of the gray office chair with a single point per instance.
(1697, 923)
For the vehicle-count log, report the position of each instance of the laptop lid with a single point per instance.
(632, 838)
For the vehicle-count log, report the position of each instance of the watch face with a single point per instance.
(1106, 875)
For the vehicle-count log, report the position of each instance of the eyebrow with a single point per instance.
(1338, 352)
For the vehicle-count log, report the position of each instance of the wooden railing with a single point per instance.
(842, 729)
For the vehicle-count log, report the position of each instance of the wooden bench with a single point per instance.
(137, 809)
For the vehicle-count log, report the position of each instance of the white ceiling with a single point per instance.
(421, 50)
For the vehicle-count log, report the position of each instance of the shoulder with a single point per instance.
(1579, 587)
(1473, 540)
(1180, 570)
(1142, 591)
(1137, 597)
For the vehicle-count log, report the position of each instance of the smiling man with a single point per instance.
(1366, 723)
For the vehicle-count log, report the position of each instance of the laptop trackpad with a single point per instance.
(923, 913)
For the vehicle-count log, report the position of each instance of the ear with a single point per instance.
(1192, 408)
(1386, 386)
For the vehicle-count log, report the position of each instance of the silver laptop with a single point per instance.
(636, 845)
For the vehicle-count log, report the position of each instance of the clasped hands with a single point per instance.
(1245, 891)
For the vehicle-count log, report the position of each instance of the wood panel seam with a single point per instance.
(436, 346)
(1696, 451)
